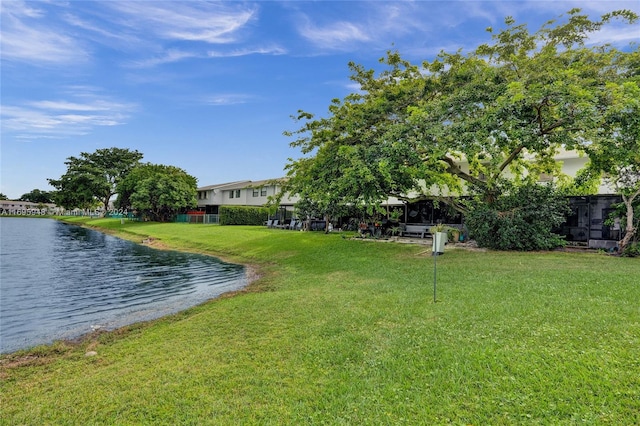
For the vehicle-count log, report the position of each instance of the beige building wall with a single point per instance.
(242, 193)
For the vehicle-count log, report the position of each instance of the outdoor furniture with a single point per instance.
(414, 231)
(317, 225)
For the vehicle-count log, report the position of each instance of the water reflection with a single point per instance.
(59, 280)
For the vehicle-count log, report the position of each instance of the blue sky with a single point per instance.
(211, 86)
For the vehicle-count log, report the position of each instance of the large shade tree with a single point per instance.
(476, 122)
(158, 191)
(92, 178)
(347, 158)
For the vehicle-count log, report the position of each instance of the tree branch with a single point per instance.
(455, 169)
(541, 129)
(547, 130)
(514, 154)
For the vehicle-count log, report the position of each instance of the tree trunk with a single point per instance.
(630, 230)
(105, 201)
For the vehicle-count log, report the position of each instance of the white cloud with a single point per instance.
(352, 87)
(96, 105)
(274, 50)
(226, 99)
(27, 36)
(167, 57)
(340, 35)
(100, 32)
(615, 36)
(20, 8)
(150, 30)
(190, 21)
(419, 27)
(176, 55)
(62, 118)
(381, 25)
(557, 7)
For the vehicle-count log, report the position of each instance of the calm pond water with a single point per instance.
(60, 281)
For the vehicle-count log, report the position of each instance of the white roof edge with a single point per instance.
(241, 184)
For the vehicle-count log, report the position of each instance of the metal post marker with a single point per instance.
(435, 263)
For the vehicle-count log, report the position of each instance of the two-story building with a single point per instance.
(586, 225)
(241, 193)
(18, 207)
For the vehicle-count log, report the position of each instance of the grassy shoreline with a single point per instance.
(336, 331)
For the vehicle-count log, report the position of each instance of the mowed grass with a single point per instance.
(339, 331)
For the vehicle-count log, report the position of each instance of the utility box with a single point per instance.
(439, 240)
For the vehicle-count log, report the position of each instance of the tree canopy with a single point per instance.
(477, 122)
(158, 191)
(38, 196)
(92, 178)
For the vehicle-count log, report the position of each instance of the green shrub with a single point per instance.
(632, 250)
(520, 220)
(243, 215)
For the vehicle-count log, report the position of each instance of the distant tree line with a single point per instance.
(38, 196)
(35, 196)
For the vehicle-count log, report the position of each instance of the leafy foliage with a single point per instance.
(521, 220)
(352, 160)
(38, 196)
(158, 191)
(127, 186)
(243, 215)
(631, 250)
(463, 123)
(92, 178)
(617, 153)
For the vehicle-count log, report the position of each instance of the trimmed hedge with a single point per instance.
(243, 215)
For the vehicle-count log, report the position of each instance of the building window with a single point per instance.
(237, 193)
(263, 192)
(231, 194)
(255, 192)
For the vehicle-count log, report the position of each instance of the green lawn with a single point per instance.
(340, 331)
